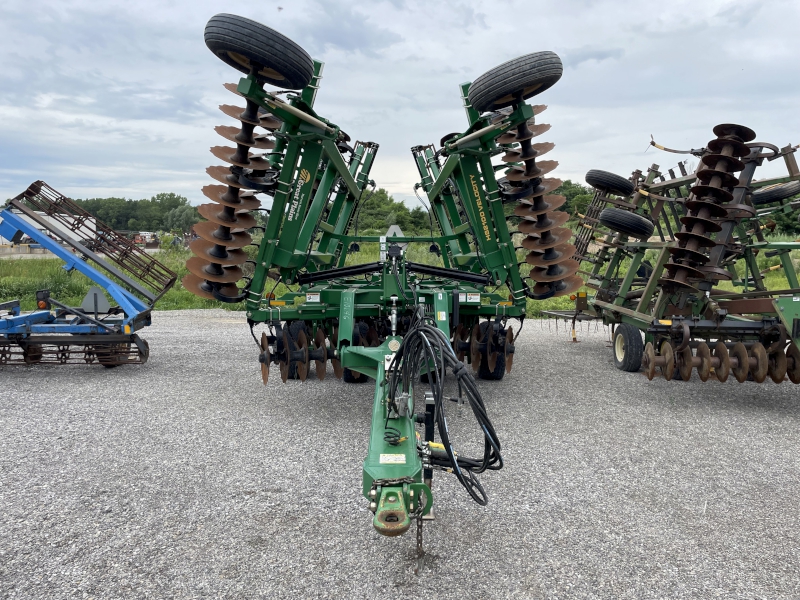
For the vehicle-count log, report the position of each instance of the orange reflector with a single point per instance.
(573, 297)
(41, 304)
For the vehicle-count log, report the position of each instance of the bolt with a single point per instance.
(411, 493)
(373, 507)
(373, 493)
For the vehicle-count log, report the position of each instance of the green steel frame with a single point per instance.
(307, 232)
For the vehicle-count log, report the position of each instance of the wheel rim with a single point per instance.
(619, 347)
(245, 62)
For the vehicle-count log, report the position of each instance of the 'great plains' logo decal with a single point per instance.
(303, 178)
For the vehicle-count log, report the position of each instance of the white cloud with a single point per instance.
(119, 98)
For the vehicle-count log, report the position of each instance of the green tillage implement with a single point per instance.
(392, 320)
(753, 332)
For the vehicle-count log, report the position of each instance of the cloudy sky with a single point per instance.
(120, 98)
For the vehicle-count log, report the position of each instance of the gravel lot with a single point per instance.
(185, 477)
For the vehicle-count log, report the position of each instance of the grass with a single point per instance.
(20, 279)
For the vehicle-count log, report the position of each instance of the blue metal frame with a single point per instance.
(44, 321)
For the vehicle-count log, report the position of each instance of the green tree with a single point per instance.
(181, 218)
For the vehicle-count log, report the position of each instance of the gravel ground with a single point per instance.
(185, 477)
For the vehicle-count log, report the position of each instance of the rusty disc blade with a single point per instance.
(224, 176)
(732, 129)
(685, 363)
(240, 201)
(556, 237)
(302, 364)
(230, 133)
(200, 287)
(491, 348)
(731, 164)
(543, 148)
(373, 339)
(673, 268)
(544, 222)
(761, 369)
(227, 154)
(568, 285)
(320, 364)
(556, 271)
(668, 370)
(474, 351)
(708, 225)
(508, 349)
(742, 366)
(722, 362)
(702, 241)
(553, 255)
(707, 191)
(265, 358)
(545, 186)
(519, 155)
(686, 254)
(542, 205)
(674, 284)
(235, 112)
(717, 178)
(232, 87)
(221, 216)
(649, 361)
(234, 239)
(704, 354)
(777, 365)
(460, 335)
(283, 360)
(793, 362)
(338, 371)
(270, 122)
(204, 269)
(211, 252)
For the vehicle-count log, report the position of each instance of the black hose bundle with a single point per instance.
(425, 344)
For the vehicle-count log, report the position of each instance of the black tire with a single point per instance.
(627, 348)
(240, 42)
(530, 74)
(626, 222)
(295, 327)
(500, 367)
(609, 182)
(351, 376)
(776, 194)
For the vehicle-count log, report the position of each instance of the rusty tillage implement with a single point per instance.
(709, 228)
(96, 332)
(392, 320)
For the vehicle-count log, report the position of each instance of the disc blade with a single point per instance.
(241, 201)
(222, 216)
(234, 239)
